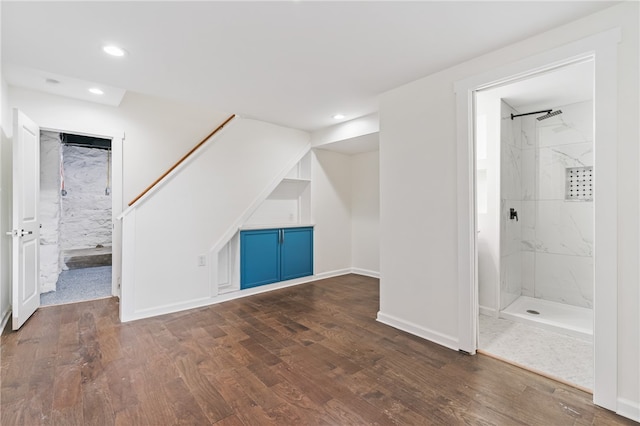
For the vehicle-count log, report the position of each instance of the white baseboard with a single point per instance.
(331, 274)
(199, 303)
(5, 319)
(365, 272)
(629, 409)
(490, 312)
(431, 335)
(345, 271)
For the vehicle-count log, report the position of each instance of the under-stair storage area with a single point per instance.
(275, 243)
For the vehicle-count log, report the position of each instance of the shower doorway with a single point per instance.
(76, 218)
(534, 177)
(601, 49)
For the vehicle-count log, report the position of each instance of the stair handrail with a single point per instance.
(180, 161)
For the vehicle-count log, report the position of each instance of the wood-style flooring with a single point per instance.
(304, 355)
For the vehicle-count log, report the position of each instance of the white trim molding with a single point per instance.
(490, 312)
(5, 319)
(129, 315)
(331, 274)
(417, 330)
(602, 49)
(629, 409)
(365, 272)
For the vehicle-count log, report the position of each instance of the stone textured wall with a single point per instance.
(50, 266)
(86, 210)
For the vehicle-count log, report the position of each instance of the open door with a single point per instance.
(26, 224)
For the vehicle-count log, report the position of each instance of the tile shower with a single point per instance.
(546, 177)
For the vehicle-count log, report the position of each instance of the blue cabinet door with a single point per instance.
(259, 257)
(296, 253)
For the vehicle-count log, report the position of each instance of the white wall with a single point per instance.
(365, 213)
(348, 180)
(331, 211)
(195, 210)
(418, 184)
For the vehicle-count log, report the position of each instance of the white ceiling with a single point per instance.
(563, 86)
(294, 63)
(57, 84)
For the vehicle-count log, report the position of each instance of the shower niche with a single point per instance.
(579, 184)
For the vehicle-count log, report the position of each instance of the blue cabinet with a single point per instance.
(259, 257)
(271, 255)
(296, 253)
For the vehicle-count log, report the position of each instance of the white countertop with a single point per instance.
(276, 226)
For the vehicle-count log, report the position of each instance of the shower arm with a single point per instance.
(547, 111)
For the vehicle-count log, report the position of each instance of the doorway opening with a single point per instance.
(535, 202)
(76, 232)
(600, 48)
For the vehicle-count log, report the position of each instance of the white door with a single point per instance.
(26, 224)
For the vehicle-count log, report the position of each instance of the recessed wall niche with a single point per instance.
(579, 184)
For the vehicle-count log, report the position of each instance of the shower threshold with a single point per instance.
(559, 317)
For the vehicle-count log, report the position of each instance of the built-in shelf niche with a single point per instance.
(288, 204)
(290, 201)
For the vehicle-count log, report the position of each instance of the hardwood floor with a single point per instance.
(310, 354)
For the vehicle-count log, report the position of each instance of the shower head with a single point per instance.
(549, 115)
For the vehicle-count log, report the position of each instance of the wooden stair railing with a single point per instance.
(187, 155)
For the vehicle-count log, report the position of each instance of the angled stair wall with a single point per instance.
(169, 236)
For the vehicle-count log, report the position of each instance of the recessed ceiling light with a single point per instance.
(96, 91)
(114, 50)
(338, 116)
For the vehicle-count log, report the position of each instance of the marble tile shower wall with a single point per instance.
(511, 196)
(556, 236)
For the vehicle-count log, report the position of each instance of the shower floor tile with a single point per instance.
(559, 355)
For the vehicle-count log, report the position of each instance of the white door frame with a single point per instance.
(602, 48)
(116, 202)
